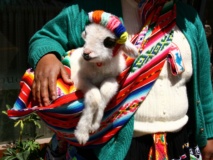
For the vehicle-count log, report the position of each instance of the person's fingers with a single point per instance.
(52, 86)
(36, 92)
(44, 92)
(40, 89)
(65, 76)
(45, 76)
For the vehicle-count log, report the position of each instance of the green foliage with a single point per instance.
(27, 149)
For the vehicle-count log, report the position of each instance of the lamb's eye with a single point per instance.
(109, 42)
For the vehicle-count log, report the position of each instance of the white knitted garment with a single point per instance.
(165, 108)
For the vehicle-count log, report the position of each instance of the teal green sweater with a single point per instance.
(63, 33)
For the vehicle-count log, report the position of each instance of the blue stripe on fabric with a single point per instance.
(19, 105)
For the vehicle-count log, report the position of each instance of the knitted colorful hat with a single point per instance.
(111, 22)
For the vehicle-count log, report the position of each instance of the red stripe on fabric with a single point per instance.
(107, 136)
(163, 27)
(125, 72)
(25, 93)
(28, 79)
(62, 116)
(63, 100)
(18, 113)
(144, 78)
(156, 14)
(146, 67)
(67, 123)
(149, 77)
(166, 17)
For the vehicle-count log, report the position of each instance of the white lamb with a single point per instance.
(94, 69)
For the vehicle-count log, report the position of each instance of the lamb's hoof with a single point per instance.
(81, 136)
(94, 127)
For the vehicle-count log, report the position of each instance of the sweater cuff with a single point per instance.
(35, 56)
(209, 130)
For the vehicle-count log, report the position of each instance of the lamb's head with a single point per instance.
(99, 43)
(105, 37)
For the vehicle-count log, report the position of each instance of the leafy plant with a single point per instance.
(27, 149)
(24, 150)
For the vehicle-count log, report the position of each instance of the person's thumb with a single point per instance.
(65, 76)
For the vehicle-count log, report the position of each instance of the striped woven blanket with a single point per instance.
(62, 115)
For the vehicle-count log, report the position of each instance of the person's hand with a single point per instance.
(207, 151)
(48, 69)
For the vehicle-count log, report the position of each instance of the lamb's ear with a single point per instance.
(83, 34)
(130, 49)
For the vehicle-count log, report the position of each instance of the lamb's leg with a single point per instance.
(92, 101)
(82, 128)
(108, 89)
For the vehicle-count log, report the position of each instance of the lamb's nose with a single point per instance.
(86, 56)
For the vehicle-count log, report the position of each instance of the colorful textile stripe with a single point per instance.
(63, 114)
(111, 22)
(159, 150)
(175, 60)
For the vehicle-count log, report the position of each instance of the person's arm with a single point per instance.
(204, 81)
(190, 23)
(47, 47)
(205, 89)
(58, 35)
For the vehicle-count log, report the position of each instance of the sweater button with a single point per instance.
(201, 130)
(198, 102)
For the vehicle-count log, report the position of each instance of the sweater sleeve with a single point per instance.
(200, 87)
(202, 76)
(59, 35)
(204, 80)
